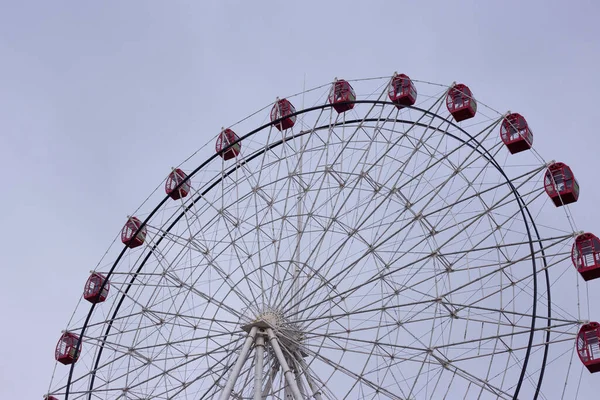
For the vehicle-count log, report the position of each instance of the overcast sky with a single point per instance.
(98, 99)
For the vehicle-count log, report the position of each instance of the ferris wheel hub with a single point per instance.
(266, 319)
(290, 334)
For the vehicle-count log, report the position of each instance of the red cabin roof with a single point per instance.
(341, 96)
(174, 186)
(560, 184)
(515, 133)
(283, 109)
(460, 102)
(92, 291)
(129, 230)
(586, 256)
(50, 398)
(588, 347)
(228, 145)
(402, 91)
(68, 348)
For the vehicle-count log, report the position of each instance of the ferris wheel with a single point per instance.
(383, 242)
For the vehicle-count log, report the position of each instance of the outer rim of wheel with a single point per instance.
(475, 145)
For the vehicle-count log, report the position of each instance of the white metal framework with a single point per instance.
(375, 254)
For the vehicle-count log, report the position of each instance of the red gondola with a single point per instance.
(402, 91)
(460, 102)
(586, 256)
(68, 348)
(225, 147)
(588, 347)
(173, 181)
(515, 133)
(48, 397)
(129, 230)
(92, 292)
(342, 96)
(283, 109)
(560, 184)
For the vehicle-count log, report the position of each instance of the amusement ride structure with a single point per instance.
(396, 239)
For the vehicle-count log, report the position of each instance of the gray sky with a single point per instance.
(99, 99)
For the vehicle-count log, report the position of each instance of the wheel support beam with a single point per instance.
(225, 395)
(289, 375)
(256, 337)
(258, 367)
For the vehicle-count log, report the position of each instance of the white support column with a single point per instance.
(225, 394)
(258, 366)
(289, 375)
(269, 384)
(287, 393)
(311, 384)
(298, 374)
